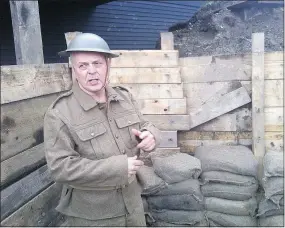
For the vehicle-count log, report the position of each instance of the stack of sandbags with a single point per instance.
(229, 184)
(180, 203)
(271, 207)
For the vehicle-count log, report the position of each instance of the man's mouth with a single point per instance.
(93, 81)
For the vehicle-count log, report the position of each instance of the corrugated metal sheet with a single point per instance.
(124, 24)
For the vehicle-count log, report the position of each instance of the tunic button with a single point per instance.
(110, 120)
(123, 151)
(92, 134)
(116, 136)
(129, 122)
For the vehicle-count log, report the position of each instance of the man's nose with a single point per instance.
(92, 69)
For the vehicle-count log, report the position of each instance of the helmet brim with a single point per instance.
(66, 53)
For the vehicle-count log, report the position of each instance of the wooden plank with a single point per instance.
(38, 212)
(22, 124)
(22, 164)
(196, 96)
(188, 141)
(168, 139)
(218, 106)
(154, 91)
(167, 150)
(145, 75)
(166, 41)
(170, 122)
(241, 120)
(258, 94)
(149, 58)
(28, 81)
(27, 32)
(163, 106)
(19, 193)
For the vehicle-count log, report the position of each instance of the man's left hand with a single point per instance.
(148, 140)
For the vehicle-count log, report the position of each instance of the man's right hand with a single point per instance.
(133, 165)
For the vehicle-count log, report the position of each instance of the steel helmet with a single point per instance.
(88, 42)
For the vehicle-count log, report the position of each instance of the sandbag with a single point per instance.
(234, 159)
(230, 220)
(273, 186)
(276, 220)
(226, 178)
(176, 167)
(231, 192)
(190, 186)
(202, 223)
(149, 181)
(175, 202)
(273, 164)
(246, 207)
(145, 204)
(278, 200)
(268, 208)
(179, 216)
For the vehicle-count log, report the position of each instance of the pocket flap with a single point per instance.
(91, 132)
(127, 120)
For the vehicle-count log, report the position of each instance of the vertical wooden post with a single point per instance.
(258, 98)
(166, 41)
(27, 32)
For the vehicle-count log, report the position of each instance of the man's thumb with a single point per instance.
(136, 132)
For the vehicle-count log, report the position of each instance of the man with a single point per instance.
(91, 142)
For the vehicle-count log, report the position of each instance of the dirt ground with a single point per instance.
(218, 30)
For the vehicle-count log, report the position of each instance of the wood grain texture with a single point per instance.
(168, 139)
(166, 41)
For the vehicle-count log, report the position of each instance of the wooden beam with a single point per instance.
(219, 105)
(19, 193)
(166, 41)
(21, 164)
(38, 212)
(162, 106)
(27, 32)
(22, 124)
(168, 139)
(149, 58)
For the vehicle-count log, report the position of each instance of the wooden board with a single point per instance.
(149, 58)
(188, 141)
(170, 122)
(27, 81)
(19, 193)
(167, 150)
(21, 164)
(196, 96)
(22, 124)
(219, 105)
(38, 212)
(154, 91)
(168, 139)
(163, 106)
(166, 41)
(145, 75)
(241, 120)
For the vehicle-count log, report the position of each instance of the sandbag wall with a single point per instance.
(271, 207)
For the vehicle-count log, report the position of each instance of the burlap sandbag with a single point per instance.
(275, 220)
(175, 202)
(230, 192)
(179, 216)
(145, 204)
(273, 164)
(176, 167)
(246, 207)
(268, 208)
(278, 200)
(150, 182)
(190, 186)
(273, 186)
(230, 220)
(202, 223)
(234, 159)
(226, 178)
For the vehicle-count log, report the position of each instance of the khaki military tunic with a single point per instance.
(86, 148)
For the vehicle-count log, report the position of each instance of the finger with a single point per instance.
(136, 132)
(151, 147)
(133, 158)
(138, 163)
(132, 172)
(145, 142)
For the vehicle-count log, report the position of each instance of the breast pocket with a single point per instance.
(95, 139)
(125, 125)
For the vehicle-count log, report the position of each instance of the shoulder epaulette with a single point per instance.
(68, 93)
(122, 88)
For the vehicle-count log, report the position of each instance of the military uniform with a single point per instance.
(86, 147)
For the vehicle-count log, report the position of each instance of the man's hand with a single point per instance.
(133, 165)
(148, 141)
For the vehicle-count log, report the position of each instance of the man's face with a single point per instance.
(90, 70)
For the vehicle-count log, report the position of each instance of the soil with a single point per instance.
(219, 28)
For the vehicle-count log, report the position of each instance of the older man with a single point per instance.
(91, 142)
